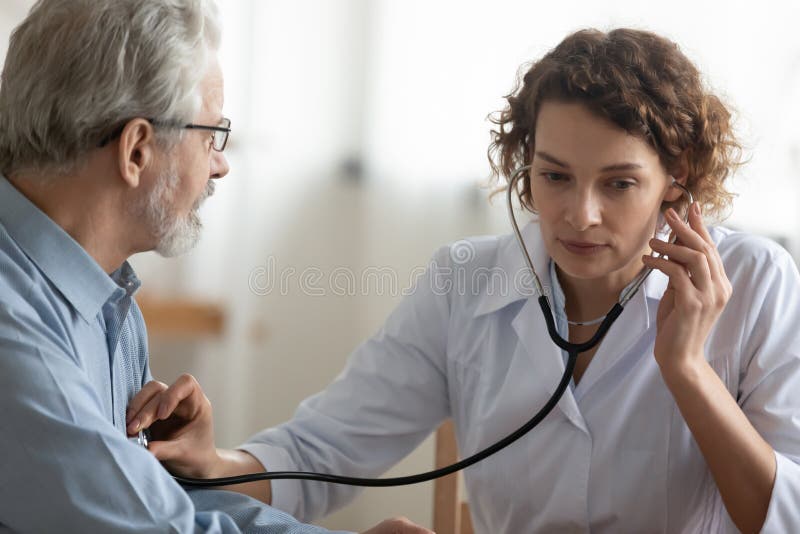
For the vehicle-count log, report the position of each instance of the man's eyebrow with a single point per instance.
(624, 166)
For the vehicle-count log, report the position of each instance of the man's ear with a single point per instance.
(680, 172)
(136, 150)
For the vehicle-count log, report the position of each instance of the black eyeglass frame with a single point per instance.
(219, 146)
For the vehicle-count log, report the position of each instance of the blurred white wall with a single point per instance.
(11, 13)
(359, 140)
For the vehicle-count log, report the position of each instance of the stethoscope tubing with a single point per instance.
(404, 480)
(572, 349)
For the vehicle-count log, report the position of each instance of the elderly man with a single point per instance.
(111, 136)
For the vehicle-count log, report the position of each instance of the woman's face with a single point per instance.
(597, 190)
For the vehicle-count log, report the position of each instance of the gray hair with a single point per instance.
(78, 70)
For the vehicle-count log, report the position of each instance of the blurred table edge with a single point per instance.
(182, 317)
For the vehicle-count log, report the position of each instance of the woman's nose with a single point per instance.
(583, 210)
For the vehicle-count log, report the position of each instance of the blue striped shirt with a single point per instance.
(73, 352)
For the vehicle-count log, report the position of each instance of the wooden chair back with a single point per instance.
(450, 512)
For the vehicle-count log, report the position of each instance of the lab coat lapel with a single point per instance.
(548, 359)
(531, 330)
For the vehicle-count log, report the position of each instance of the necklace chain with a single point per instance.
(586, 323)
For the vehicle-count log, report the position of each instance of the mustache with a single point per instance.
(211, 187)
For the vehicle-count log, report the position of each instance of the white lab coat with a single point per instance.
(614, 456)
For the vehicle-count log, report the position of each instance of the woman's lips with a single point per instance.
(582, 248)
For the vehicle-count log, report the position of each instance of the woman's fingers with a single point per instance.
(184, 388)
(714, 259)
(144, 402)
(678, 277)
(694, 237)
(687, 236)
(146, 416)
(695, 262)
(148, 391)
(183, 398)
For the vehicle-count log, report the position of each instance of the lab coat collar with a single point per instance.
(510, 260)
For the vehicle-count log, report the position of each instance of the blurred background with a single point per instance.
(359, 146)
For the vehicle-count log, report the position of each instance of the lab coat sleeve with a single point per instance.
(65, 468)
(769, 388)
(390, 396)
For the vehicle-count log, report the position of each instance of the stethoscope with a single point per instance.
(572, 350)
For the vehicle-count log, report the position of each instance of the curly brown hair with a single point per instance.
(639, 81)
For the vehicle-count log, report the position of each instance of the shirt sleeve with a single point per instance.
(770, 378)
(390, 396)
(251, 515)
(64, 467)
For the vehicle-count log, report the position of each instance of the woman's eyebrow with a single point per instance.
(621, 167)
(552, 159)
(624, 166)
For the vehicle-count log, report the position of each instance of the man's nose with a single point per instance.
(219, 165)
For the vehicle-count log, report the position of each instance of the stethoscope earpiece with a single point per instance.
(683, 188)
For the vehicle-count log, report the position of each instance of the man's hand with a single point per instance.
(398, 525)
(181, 427)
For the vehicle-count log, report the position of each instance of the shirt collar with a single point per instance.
(510, 260)
(76, 275)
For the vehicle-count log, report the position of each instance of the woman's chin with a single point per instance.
(599, 269)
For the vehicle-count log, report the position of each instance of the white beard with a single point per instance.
(174, 235)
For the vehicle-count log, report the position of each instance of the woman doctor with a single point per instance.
(684, 419)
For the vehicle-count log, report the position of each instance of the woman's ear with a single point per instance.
(680, 174)
(136, 150)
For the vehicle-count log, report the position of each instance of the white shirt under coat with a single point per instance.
(614, 456)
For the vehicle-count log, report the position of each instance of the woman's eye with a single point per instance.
(622, 185)
(554, 177)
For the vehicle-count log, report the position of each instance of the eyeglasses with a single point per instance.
(220, 135)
